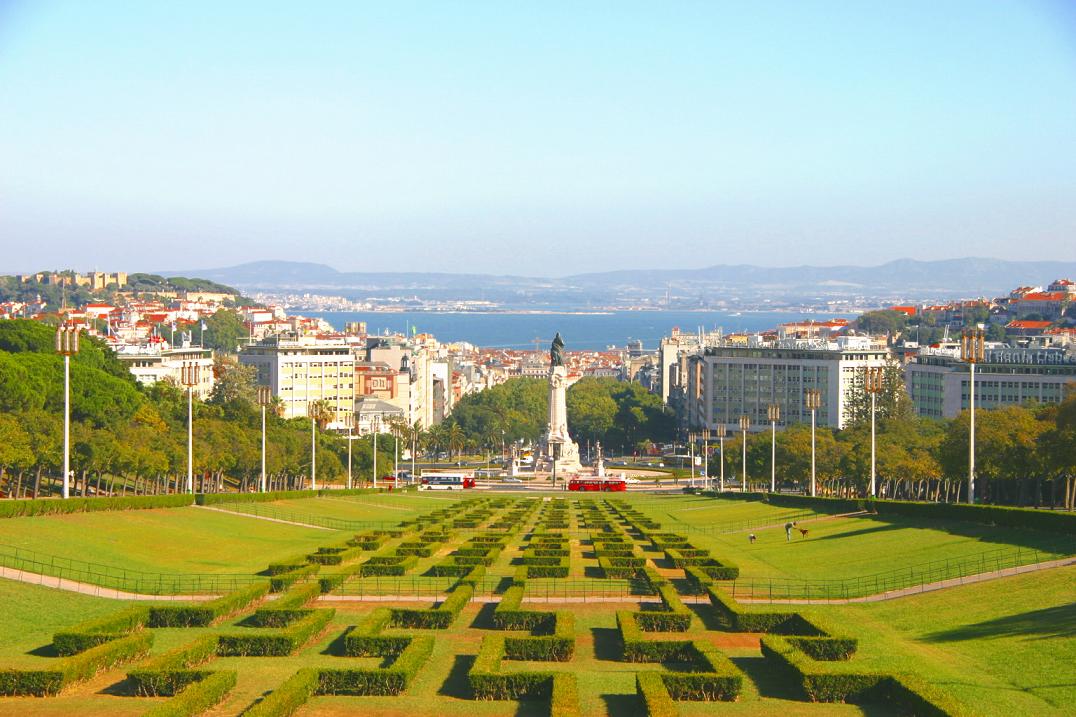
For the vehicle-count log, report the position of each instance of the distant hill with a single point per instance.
(908, 278)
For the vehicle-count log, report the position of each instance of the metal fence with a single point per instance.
(739, 526)
(43, 566)
(917, 576)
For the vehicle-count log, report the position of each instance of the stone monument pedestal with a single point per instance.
(556, 437)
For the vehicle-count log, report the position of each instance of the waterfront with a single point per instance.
(593, 331)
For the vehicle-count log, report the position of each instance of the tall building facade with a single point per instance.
(300, 371)
(727, 381)
(939, 382)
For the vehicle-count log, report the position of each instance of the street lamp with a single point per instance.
(972, 350)
(190, 374)
(350, 440)
(813, 399)
(707, 480)
(774, 413)
(691, 455)
(313, 446)
(67, 346)
(375, 424)
(265, 397)
(872, 382)
(721, 440)
(745, 423)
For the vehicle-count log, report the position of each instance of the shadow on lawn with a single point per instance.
(483, 619)
(48, 650)
(607, 644)
(623, 704)
(884, 527)
(456, 684)
(1047, 623)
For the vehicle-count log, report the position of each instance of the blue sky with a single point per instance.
(536, 138)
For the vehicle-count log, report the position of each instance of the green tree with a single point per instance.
(224, 331)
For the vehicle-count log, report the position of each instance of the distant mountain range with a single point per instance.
(905, 278)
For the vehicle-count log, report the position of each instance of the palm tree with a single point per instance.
(322, 413)
(457, 439)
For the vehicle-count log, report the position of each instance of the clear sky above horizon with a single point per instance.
(541, 138)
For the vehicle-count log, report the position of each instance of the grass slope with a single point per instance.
(173, 540)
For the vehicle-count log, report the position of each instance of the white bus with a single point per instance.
(446, 481)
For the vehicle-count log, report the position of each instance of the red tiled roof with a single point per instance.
(1024, 324)
(1046, 296)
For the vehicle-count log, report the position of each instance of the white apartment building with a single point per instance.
(726, 381)
(939, 382)
(300, 371)
(150, 363)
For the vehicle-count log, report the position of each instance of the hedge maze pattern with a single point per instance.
(280, 616)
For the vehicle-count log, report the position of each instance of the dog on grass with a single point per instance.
(803, 532)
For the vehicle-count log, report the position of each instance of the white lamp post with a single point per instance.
(708, 481)
(873, 385)
(813, 398)
(972, 351)
(313, 448)
(376, 423)
(265, 397)
(67, 346)
(190, 375)
(774, 412)
(745, 423)
(721, 442)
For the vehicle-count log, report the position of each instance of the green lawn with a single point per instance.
(1003, 647)
(840, 548)
(171, 540)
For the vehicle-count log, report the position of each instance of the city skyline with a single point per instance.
(536, 140)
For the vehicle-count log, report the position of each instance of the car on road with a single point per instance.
(510, 479)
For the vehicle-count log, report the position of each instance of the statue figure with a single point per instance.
(556, 351)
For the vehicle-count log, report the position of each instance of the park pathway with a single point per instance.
(75, 586)
(917, 589)
(264, 517)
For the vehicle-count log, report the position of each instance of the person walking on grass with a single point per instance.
(788, 531)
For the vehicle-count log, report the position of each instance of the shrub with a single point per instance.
(366, 640)
(489, 683)
(288, 697)
(94, 632)
(558, 647)
(509, 616)
(438, 618)
(639, 649)
(656, 699)
(716, 679)
(76, 668)
(564, 701)
(826, 649)
(281, 582)
(48, 506)
(197, 697)
(278, 643)
(391, 680)
(191, 615)
(168, 673)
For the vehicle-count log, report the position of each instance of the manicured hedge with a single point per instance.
(558, 647)
(327, 582)
(656, 699)
(283, 581)
(52, 506)
(170, 672)
(287, 608)
(438, 618)
(275, 644)
(714, 677)
(289, 697)
(366, 640)
(84, 635)
(740, 620)
(197, 697)
(76, 668)
(639, 649)
(217, 498)
(192, 615)
(391, 680)
(821, 684)
(510, 616)
(489, 683)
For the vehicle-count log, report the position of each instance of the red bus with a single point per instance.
(597, 484)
